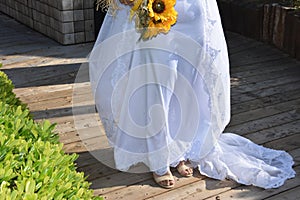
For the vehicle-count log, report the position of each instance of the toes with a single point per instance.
(188, 171)
(167, 183)
(185, 172)
(170, 183)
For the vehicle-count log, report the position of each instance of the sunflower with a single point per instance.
(162, 16)
(154, 29)
(153, 16)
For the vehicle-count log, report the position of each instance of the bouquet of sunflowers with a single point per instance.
(151, 16)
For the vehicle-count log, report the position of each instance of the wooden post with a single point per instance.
(279, 25)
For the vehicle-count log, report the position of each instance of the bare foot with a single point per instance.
(184, 169)
(165, 181)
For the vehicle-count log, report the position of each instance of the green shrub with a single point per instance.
(6, 92)
(32, 162)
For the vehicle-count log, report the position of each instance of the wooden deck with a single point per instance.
(265, 108)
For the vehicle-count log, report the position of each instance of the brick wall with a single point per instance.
(66, 21)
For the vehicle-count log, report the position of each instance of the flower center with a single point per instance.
(158, 6)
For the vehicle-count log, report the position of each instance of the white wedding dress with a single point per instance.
(168, 99)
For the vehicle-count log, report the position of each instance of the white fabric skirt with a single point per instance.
(167, 99)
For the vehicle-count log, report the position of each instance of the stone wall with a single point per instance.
(66, 21)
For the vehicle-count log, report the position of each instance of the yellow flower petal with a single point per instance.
(162, 22)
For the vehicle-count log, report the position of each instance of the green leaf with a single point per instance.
(38, 186)
(30, 186)
(9, 172)
(68, 186)
(80, 192)
(46, 125)
(46, 179)
(14, 195)
(31, 196)
(18, 111)
(34, 132)
(59, 197)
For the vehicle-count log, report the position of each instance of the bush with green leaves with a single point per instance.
(33, 165)
(6, 92)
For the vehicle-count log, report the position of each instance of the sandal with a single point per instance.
(167, 177)
(182, 168)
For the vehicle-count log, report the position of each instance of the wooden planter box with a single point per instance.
(281, 28)
(242, 17)
(66, 21)
(291, 38)
(268, 22)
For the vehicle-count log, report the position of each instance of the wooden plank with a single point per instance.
(263, 65)
(114, 182)
(44, 93)
(43, 57)
(295, 153)
(66, 100)
(90, 144)
(50, 92)
(14, 41)
(262, 68)
(264, 123)
(236, 43)
(61, 111)
(254, 193)
(256, 55)
(197, 190)
(77, 147)
(275, 133)
(287, 195)
(97, 170)
(30, 92)
(248, 96)
(85, 159)
(288, 143)
(268, 67)
(21, 48)
(31, 60)
(51, 75)
(264, 112)
(265, 101)
(142, 189)
(82, 134)
(60, 103)
(257, 82)
(66, 124)
(61, 107)
(256, 88)
(239, 45)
